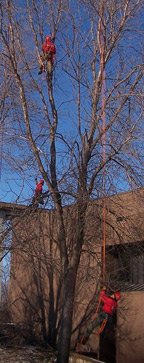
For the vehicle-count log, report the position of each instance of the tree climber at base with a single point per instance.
(108, 309)
(49, 51)
(38, 192)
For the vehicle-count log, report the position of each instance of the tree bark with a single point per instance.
(66, 319)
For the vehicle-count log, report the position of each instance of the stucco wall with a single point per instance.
(32, 238)
(130, 322)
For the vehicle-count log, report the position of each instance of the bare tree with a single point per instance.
(54, 124)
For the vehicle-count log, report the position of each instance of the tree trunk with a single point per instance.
(69, 291)
(66, 319)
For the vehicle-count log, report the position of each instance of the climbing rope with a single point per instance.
(100, 40)
(101, 49)
(2, 121)
(82, 338)
(1, 150)
(101, 327)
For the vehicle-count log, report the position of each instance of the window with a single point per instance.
(125, 264)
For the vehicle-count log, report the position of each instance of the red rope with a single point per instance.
(101, 327)
(104, 180)
(82, 338)
(101, 49)
(2, 123)
(1, 152)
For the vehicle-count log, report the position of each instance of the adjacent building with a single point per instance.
(35, 279)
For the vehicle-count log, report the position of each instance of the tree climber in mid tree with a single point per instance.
(38, 192)
(49, 51)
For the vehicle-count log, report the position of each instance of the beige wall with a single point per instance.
(34, 239)
(130, 336)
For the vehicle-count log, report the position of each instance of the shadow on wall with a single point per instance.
(130, 333)
(108, 343)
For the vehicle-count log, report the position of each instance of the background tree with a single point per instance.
(54, 126)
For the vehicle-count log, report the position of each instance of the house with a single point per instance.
(35, 279)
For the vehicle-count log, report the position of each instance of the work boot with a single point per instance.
(83, 340)
(41, 202)
(41, 70)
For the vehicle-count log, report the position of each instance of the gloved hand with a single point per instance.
(103, 287)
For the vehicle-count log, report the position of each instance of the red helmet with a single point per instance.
(48, 39)
(117, 295)
(41, 181)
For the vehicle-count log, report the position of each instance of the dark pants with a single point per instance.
(46, 57)
(98, 321)
(37, 199)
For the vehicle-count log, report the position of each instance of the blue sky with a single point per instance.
(16, 182)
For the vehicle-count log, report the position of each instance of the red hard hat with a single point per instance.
(48, 39)
(117, 295)
(41, 181)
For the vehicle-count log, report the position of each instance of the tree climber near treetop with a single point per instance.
(108, 309)
(49, 52)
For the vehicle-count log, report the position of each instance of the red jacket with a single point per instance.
(48, 46)
(109, 303)
(38, 189)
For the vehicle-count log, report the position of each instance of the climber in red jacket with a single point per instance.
(38, 189)
(38, 193)
(109, 307)
(49, 51)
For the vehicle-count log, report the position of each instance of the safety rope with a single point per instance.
(82, 338)
(100, 40)
(1, 150)
(101, 327)
(101, 49)
(2, 123)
